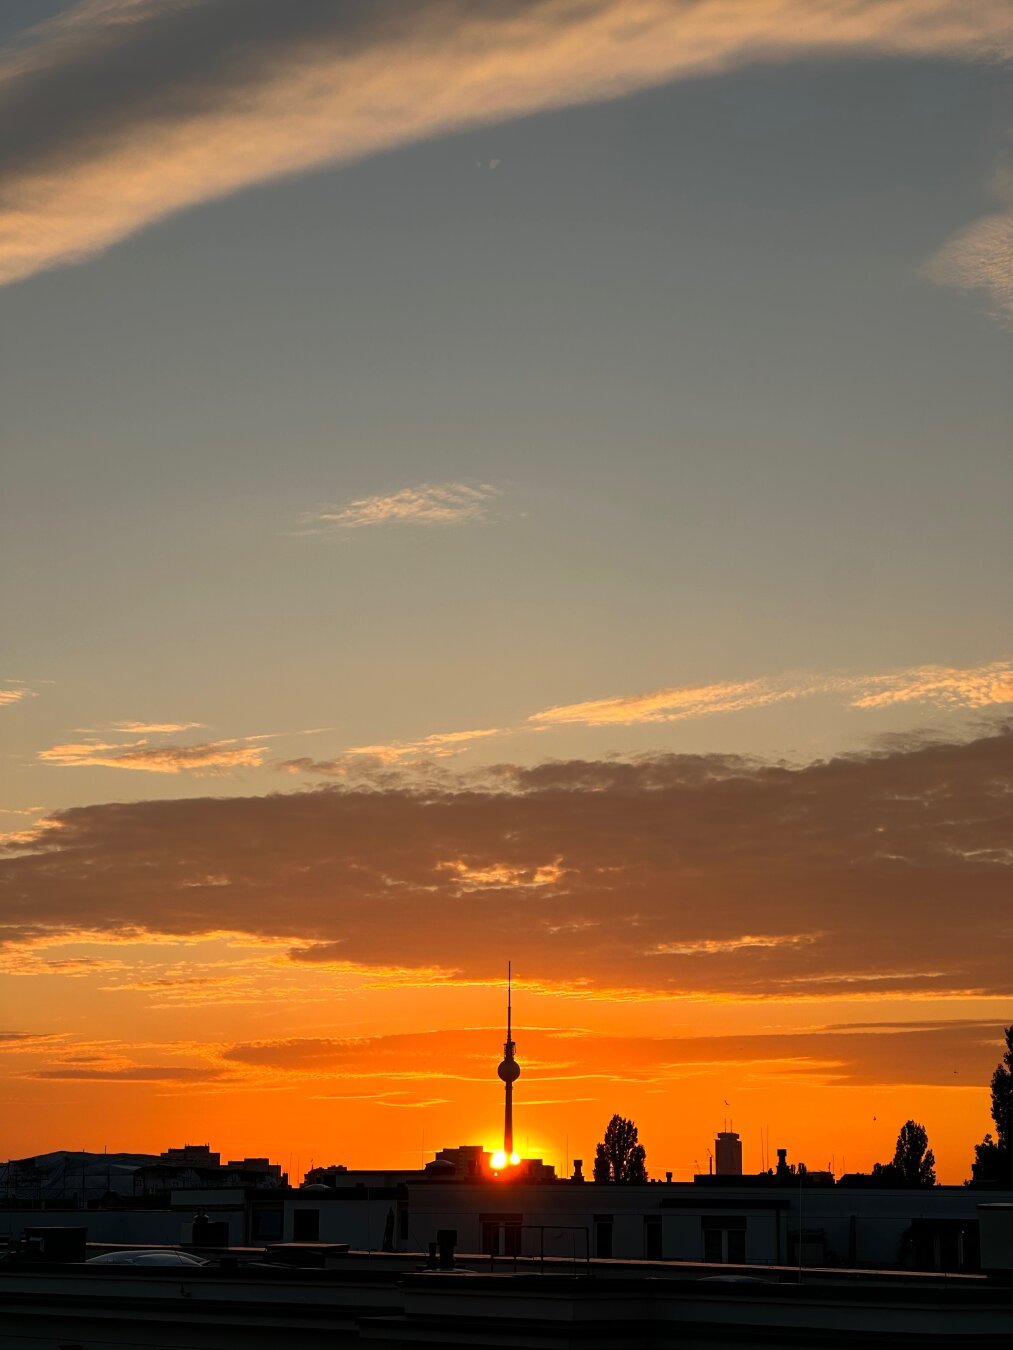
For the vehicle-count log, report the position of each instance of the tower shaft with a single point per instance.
(509, 1071)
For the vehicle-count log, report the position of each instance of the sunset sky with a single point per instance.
(525, 481)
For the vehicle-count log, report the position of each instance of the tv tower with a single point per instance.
(509, 1070)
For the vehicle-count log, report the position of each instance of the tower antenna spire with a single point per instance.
(509, 1071)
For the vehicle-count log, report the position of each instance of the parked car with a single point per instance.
(147, 1257)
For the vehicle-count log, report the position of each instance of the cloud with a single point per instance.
(884, 874)
(500, 875)
(120, 112)
(912, 1053)
(16, 1042)
(942, 686)
(979, 258)
(438, 746)
(747, 942)
(939, 686)
(132, 1073)
(9, 696)
(945, 687)
(665, 705)
(155, 728)
(209, 756)
(427, 504)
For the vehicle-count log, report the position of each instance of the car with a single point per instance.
(147, 1257)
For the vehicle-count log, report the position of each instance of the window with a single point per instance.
(724, 1239)
(501, 1234)
(267, 1225)
(603, 1235)
(306, 1225)
(652, 1237)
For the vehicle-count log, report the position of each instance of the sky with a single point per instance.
(526, 484)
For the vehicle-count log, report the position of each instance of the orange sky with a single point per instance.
(319, 974)
(142, 1045)
(505, 482)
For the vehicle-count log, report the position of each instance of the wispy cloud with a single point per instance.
(979, 258)
(942, 686)
(132, 1073)
(427, 504)
(666, 705)
(155, 728)
(124, 111)
(719, 946)
(439, 745)
(210, 756)
(471, 876)
(948, 688)
(938, 686)
(15, 695)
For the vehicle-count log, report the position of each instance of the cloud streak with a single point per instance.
(155, 728)
(120, 112)
(207, 757)
(947, 688)
(427, 504)
(938, 686)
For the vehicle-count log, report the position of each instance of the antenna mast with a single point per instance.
(509, 1071)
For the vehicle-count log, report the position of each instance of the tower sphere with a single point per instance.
(509, 1070)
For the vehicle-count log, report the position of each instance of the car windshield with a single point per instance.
(147, 1258)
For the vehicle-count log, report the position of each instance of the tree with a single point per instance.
(993, 1158)
(1002, 1096)
(620, 1156)
(914, 1163)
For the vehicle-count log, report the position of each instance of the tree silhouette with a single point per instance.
(914, 1163)
(993, 1158)
(619, 1156)
(913, 1160)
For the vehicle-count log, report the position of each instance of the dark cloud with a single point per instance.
(883, 873)
(24, 1040)
(133, 1073)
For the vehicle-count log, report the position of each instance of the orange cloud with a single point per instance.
(440, 745)
(427, 504)
(155, 728)
(163, 106)
(712, 946)
(209, 756)
(943, 686)
(665, 705)
(946, 687)
(493, 875)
